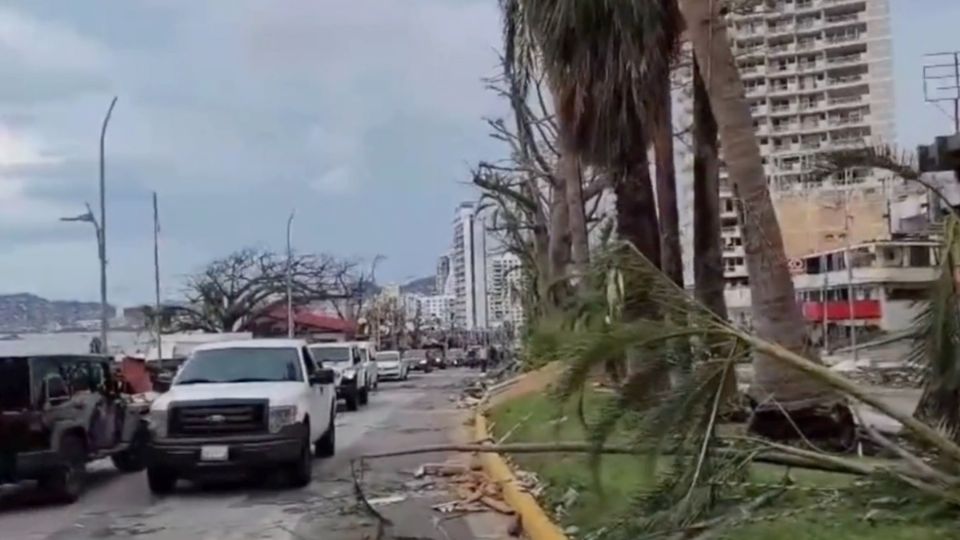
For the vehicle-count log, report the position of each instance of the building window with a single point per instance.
(919, 256)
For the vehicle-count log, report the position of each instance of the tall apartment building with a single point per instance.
(818, 76)
(469, 268)
(443, 273)
(505, 281)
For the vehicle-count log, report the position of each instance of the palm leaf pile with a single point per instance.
(673, 399)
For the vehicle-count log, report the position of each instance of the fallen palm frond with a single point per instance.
(677, 421)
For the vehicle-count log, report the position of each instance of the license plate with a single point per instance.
(214, 453)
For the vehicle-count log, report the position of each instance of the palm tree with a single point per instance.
(776, 314)
(605, 61)
(672, 258)
(707, 253)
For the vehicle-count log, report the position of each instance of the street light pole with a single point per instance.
(102, 232)
(290, 277)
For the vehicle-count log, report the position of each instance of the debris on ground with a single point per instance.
(392, 499)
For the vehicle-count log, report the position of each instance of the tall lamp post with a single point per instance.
(100, 227)
(290, 276)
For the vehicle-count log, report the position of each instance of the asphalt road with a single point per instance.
(401, 414)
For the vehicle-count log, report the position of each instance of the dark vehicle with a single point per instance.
(418, 360)
(456, 357)
(436, 356)
(58, 413)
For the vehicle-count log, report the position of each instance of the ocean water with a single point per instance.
(74, 343)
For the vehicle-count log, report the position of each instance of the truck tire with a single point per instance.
(134, 458)
(301, 471)
(161, 480)
(352, 401)
(327, 445)
(66, 483)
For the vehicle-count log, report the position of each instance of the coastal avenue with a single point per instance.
(400, 414)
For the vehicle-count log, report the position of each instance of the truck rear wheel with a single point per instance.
(161, 480)
(352, 401)
(66, 483)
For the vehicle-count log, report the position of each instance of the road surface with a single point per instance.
(401, 414)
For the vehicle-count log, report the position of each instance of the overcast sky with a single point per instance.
(364, 115)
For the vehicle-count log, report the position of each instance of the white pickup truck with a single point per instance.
(353, 373)
(246, 405)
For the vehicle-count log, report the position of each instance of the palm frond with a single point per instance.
(936, 347)
(602, 59)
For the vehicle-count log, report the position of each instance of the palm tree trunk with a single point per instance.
(707, 253)
(671, 254)
(569, 171)
(776, 313)
(637, 223)
(559, 248)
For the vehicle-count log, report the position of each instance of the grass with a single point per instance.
(539, 418)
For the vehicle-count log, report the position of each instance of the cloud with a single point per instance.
(235, 114)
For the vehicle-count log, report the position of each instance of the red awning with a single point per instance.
(839, 310)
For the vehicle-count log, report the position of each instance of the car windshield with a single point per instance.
(331, 355)
(241, 365)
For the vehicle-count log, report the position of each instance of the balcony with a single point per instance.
(808, 66)
(845, 80)
(806, 45)
(845, 100)
(845, 59)
(811, 145)
(780, 28)
(845, 18)
(867, 275)
(783, 128)
(779, 109)
(848, 120)
(843, 38)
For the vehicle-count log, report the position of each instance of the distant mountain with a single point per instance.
(424, 286)
(26, 312)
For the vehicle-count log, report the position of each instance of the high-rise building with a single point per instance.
(443, 274)
(818, 77)
(505, 282)
(469, 268)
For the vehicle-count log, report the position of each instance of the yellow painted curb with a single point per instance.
(535, 522)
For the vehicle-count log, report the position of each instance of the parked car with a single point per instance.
(417, 358)
(243, 405)
(353, 384)
(60, 412)
(369, 362)
(391, 366)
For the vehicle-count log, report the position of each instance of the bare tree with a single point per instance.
(232, 292)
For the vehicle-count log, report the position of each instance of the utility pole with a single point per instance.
(941, 82)
(156, 277)
(104, 308)
(290, 277)
(848, 256)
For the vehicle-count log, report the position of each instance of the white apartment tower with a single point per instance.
(505, 281)
(469, 268)
(818, 76)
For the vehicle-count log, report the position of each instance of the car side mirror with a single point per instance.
(55, 390)
(323, 376)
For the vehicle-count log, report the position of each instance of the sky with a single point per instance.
(365, 116)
